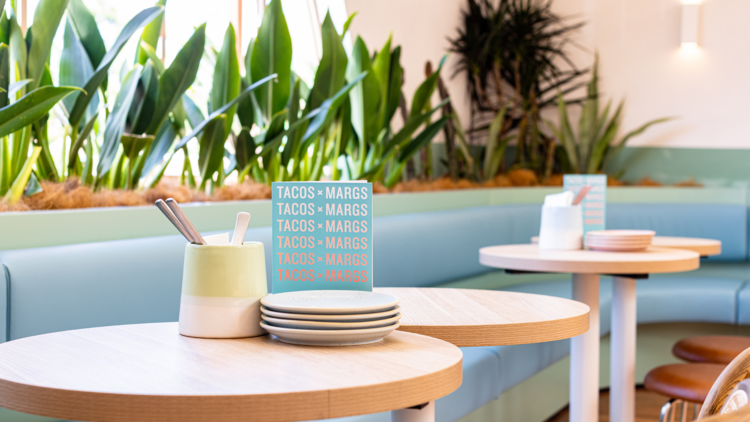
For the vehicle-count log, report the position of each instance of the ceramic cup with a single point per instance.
(221, 290)
(562, 228)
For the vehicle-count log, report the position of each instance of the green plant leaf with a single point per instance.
(75, 68)
(85, 132)
(150, 35)
(178, 78)
(33, 187)
(194, 114)
(115, 126)
(88, 32)
(144, 101)
(46, 20)
(348, 23)
(365, 98)
(4, 28)
(132, 145)
(410, 127)
(331, 74)
(565, 134)
(327, 110)
(18, 53)
(246, 92)
(4, 75)
(381, 67)
(422, 139)
(82, 102)
(244, 146)
(424, 91)
(16, 190)
(31, 107)
(159, 148)
(588, 124)
(272, 53)
(493, 142)
(395, 82)
(226, 83)
(620, 145)
(212, 148)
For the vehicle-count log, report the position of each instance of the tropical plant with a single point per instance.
(588, 150)
(512, 53)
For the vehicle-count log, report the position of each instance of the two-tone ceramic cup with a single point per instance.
(222, 286)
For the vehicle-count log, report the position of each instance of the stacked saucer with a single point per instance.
(330, 317)
(618, 240)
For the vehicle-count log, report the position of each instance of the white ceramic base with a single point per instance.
(330, 337)
(220, 317)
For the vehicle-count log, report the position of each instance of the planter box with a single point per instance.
(31, 229)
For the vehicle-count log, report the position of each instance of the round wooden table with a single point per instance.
(704, 247)
(149, 372)
(469, 318)
(586, 267)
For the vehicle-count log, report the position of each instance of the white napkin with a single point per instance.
(217, 239)
(564, 199)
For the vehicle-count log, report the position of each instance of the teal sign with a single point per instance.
(594, 205)
(322, 236)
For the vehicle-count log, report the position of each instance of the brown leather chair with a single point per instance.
(711, 349)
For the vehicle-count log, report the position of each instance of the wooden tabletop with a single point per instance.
(704, 247)
(530, 258)
(148, 372)
(469, 318)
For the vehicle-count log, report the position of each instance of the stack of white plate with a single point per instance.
(330, 317)
(618, 240)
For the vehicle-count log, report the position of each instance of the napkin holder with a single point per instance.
(562, 228)
(222, 286)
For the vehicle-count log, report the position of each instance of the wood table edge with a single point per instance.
(321, 404)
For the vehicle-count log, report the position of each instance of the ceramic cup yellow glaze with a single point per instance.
(221, 290)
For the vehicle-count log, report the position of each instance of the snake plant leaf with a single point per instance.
(365, 98)
(381, 67)
(150, 35)
(85, 25)
(422, 139)
(85, 132)
(31, 107)
(132, 145)
(331, 74)
(159, 148)
(348, 23)
(153, 57)
(33, 187)
(5, 165)
(4, 28)
(292, 142)
(425, 90)
(212, 148)
(197, 129)
(497, 156)
(4, 75)
(226, 83)
(142, 106)
(620, 145)
(461, 141)
(588, 124)
(244, 146)
(177, 78)
(82, 102)
(394, 88)
(115, 126)
(272, 53)
(47, 17)
(493, 142)
(75, 69)
(16, 189)
(410, 127)
(194, 114)
(18, 53)
(602, 143)
(327, 111)
(17, 86)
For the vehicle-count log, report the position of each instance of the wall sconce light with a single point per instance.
(689, 24)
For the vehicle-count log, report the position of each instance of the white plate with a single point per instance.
(318, 325)
(330, 302)
(332, 318)
(330, 337)
(617, 248)
(621, 233)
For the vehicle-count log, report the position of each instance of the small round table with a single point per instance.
(704, 247)
(470, 318)
(586, 267)
(149, 372)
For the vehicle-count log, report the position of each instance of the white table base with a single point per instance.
(584, 354)
(425, 414)
(622, 353)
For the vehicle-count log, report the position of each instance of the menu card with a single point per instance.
(594, 204)
(322, 236)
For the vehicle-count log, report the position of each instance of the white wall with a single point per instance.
(641, 60)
